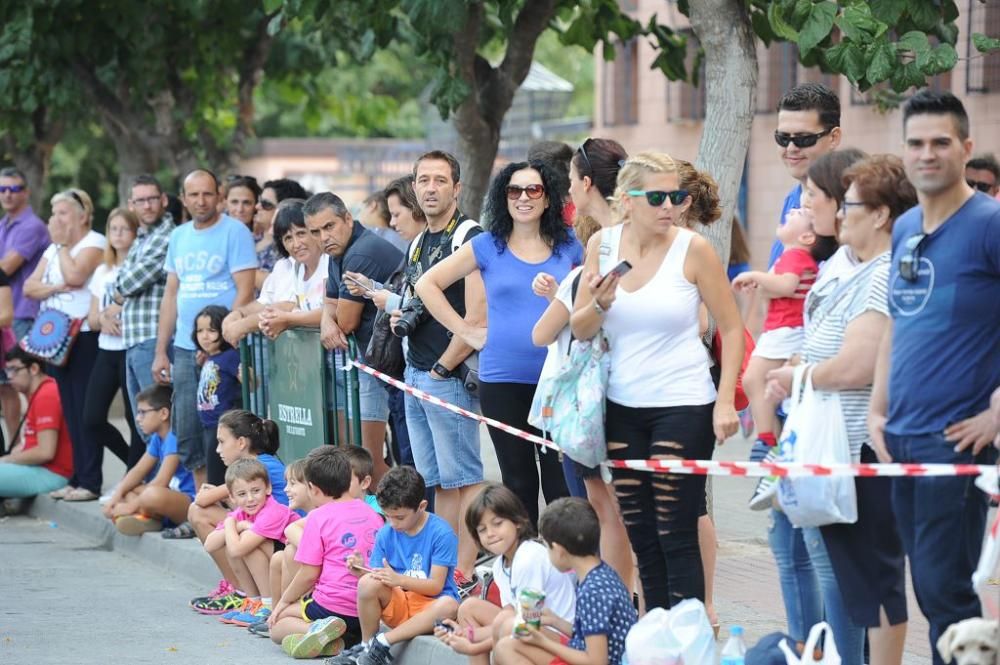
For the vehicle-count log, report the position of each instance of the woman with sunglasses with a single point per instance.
(661, 399)
(274, 192)
(61, 282)
(860, 566)
(526, 236)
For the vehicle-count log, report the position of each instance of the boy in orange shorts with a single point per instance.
(410, 584)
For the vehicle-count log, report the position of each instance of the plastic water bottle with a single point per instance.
(734, 653)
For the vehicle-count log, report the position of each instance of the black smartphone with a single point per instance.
(441, 624)
(619, 270)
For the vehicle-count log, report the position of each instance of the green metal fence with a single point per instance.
(292, 381)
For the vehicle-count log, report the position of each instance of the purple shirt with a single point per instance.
(27, 235)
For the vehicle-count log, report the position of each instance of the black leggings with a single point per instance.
(661, 510)
(509, 403)
(106, 378)
(72, 380)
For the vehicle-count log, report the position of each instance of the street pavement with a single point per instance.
(66, 600)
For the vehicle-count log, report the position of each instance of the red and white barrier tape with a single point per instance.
(710, 467)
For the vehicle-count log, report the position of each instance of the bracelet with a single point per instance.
(597, 308)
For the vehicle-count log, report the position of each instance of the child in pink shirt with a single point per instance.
(320, 604)
(248, 535)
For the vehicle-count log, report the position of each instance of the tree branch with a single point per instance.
(250, 72)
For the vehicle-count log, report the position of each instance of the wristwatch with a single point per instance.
(441, 371)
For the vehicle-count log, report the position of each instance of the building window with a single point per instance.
(686, 101)
(982, 72)
(779, 73)
(621, 85)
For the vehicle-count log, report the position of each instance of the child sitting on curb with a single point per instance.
(158, 486)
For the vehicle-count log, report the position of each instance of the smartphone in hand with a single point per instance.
(618, 271)
(358, 283)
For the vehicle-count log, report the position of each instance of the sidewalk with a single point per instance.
(746, 584)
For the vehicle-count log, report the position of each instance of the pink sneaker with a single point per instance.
(223, 588)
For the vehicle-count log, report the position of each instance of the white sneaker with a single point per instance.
(767, 487)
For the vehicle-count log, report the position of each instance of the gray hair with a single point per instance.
(13, 172)
(325, 201)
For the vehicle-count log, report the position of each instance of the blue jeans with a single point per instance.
(850, 638)
(184, 412)
(941, 521)
(139, 373)
(22, 327)
(799, 586)
(445, 445)
(19, 481)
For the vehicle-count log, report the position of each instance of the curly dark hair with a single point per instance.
(498, 220)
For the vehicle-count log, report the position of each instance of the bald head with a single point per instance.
(201, 197)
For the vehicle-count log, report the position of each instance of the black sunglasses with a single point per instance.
(909, 262)
(656, 198)
(533, 191)
(799, 140)
(583, 153)
(984, 187)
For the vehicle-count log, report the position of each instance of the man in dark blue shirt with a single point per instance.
(353, 248)
(940, 358)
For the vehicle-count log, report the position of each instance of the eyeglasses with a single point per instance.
(148, 201)
(141, 413)
(267, 205)
(984, 187)
(909, 262)
(12, 370)
(533, 191)
(13, 189)
(583, 153)
(846, 205)
(656, 198)
(799, 140)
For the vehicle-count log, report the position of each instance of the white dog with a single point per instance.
(970, 642)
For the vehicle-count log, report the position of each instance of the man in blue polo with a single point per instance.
(939, 360)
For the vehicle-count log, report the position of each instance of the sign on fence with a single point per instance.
(296, 392)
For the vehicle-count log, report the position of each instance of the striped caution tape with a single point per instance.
(711, 467)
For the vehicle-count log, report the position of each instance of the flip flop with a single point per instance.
(182, 532)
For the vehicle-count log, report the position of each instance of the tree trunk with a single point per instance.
(724, 31)
(478, 144)
(35, 157)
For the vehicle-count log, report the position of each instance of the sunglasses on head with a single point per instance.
(533, 191)
(583, 153)
(909, 262)
(13, 189)
(799, 140)
(656, 198)
(984, 187)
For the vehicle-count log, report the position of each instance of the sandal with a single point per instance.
(182, 532)
(80, 494)
(61, 492)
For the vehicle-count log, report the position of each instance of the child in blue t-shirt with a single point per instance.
(410, 584)
(219, 381)
(604, 610)
(158, 487)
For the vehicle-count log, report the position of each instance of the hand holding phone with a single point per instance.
(619, 270)
(361, 285)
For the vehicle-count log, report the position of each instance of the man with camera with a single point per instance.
(353, 249)
(445, 445)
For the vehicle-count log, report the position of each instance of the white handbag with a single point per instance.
(815, 433)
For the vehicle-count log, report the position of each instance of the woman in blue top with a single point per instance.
(526, 253)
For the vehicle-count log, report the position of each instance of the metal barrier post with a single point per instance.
(330, 379)
(246, 372)
(354, 391)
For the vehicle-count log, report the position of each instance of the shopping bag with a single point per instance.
(830, 655)
(679, 636)
(569, 406)
(815, 433)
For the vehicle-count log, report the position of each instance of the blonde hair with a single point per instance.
(77, 197)
(635, 168)
(584, 226)
(110, 253)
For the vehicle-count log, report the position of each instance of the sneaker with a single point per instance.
(260, 629)
(376, 655)
(333, 648)
(767, 487)
(466, 587)
(138, 524)
(252, 612)
(320, 634)
(220, 605)
(347, 656)
(223, 588)
(248, 607)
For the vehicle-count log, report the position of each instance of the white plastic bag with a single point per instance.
(815, 433)
(830, 654)
(679, 636)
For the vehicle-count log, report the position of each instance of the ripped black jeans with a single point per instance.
(661, 510)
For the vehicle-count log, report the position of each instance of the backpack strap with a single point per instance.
(611, 240)
(458, 237)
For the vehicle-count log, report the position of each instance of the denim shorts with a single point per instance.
(373, 398)
(445, 445)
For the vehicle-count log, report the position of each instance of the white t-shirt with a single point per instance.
(103, 277)
(559, 349)
(75, 303)
(532, 569)
(287, 283)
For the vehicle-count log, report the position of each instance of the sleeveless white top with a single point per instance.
(657, 358)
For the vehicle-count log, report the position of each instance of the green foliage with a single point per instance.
(858, 39)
